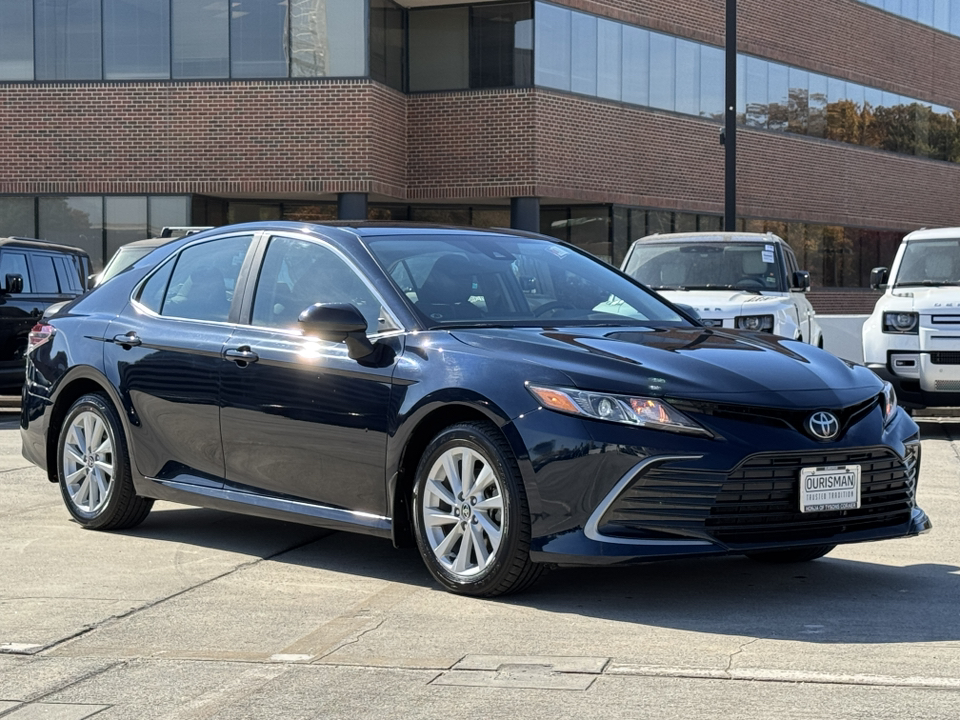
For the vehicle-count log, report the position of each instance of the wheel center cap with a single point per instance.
(465, 511)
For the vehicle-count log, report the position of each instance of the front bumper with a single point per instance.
(910, 392)
(636, 495)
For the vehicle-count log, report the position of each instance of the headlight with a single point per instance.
(762, 323)
(889, 397)
(640, 411)
(901, 322)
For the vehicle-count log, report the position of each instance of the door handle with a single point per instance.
(242, 355)
(127, 341)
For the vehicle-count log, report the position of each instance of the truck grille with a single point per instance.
(945, 358)
(758, 501)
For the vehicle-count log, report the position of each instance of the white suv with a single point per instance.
(912, 338)
(749, 281)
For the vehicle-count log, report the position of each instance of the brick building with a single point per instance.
(596, 120)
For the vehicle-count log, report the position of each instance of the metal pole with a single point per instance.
(730, 122)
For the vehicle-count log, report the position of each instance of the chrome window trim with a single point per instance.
(592, 528)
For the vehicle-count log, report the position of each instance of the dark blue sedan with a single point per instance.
(505, 401)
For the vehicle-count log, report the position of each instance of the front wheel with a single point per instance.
(93, 468)
(470, 513)
(793, 555)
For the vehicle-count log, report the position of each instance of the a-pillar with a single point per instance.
(352, 206)
(525, 213)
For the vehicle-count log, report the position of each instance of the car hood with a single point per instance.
(924, 299)
(723, 303)
(696, 363)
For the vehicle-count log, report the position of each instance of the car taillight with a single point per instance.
(40, 333)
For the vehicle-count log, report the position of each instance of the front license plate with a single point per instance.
(829, 488)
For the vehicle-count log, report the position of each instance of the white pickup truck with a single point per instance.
(739, 280)
(912, 339)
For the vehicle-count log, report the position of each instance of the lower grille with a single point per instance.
(945, 358)
(759, 501)
(948, 385)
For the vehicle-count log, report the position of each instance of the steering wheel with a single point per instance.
(552, 305)
(749, 282)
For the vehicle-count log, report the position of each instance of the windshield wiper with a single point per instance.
(667, 287)
(929, 283)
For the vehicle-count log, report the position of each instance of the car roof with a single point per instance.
(947, 233)
(148, 242)
(38, 244)
(717, 236)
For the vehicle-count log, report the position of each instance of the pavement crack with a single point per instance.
(738, 651)
(76, 681)
(107, 621)
(351, 640)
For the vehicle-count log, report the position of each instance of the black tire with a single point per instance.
(507, 567)
(793, 555)
(113, 504)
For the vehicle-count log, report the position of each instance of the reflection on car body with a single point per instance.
(468, 391)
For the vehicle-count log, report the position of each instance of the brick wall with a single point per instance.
(253, 138)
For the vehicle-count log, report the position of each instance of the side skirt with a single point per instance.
(269, 506)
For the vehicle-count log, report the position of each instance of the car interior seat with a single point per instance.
(445, 293)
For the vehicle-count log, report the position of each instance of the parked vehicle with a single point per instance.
(34, 274)
(460, 389)
(128, 254)
(911, 339)
(749, 281)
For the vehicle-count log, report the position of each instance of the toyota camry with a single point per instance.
(501, 400)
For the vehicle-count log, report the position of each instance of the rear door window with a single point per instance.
(68, 275)
(14, 263)
(44, 276)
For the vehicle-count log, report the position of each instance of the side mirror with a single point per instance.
(801, 280)
(338, 323)
(878, 277)
(13, 284)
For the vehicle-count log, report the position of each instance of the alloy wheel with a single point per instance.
(88, 462)
(463, 511)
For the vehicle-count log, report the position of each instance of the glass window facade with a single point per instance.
(258, 39)
(387, 42)
(16, 40)
(943, 15)
(67, 37)
(581, 53)
(470, 46)
(51, 40)
(136, 39)
(98, 224)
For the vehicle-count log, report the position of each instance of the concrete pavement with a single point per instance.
(202, 614)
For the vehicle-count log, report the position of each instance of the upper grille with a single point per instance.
(945, 358)
(759, 500)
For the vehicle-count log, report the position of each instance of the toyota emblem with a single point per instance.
(823, 425)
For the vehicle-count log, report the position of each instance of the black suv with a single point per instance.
(34, 274)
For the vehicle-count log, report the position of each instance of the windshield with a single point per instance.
(930, 262)
(706, 266)
(121, 260)
(484, 280)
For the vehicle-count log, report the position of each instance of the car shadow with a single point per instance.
(831, 600)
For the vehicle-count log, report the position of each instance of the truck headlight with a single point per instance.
(903, 323)
(762, 323)
(641, 411)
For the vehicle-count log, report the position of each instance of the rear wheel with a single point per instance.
(470, 513)
(793, 555)
(93, 467)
